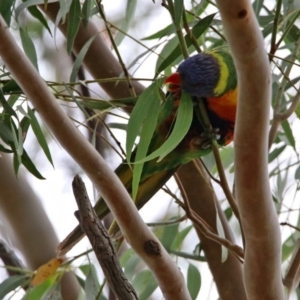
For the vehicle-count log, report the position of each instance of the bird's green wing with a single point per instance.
(155, 174)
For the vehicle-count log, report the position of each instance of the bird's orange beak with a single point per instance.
(174, 82)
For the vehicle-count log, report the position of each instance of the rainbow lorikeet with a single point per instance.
(210, 76)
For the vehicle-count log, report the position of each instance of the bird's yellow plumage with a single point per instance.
(224, 74)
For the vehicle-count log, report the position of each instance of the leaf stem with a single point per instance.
(189, 32)
(180, 36)
(274, 46)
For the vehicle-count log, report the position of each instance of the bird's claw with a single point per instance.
(204, 141)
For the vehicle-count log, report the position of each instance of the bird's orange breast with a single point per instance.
(224, 106)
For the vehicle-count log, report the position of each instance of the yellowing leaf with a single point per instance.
(45, 271)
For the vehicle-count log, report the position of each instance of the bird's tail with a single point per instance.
(147, 189)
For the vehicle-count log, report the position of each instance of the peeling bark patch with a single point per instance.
(242, 14)
(152, 248)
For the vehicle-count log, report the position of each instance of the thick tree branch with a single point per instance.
(136, 232)
(262, 274)
(227, 275)
(99, 59)
(10, 259)
(101, 243)
(29, 224)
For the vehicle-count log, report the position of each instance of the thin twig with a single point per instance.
(179, 33)
(277, 116)
(167, 223)
(289, 27)
(126, 74)
(189, 32)
(286, 60)
(207, 231)
(274, 47)
(208, 172)
(223, 180)
(290, 225)
(224, 183)
(102, 137)
(291, 279)
(211, 27)
(169, 192)
(188, 255)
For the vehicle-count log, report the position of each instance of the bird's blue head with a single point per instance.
(198, 76)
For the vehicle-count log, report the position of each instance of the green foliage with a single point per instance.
(145, 112)
(11, 283)
(73, 24)
(193, 281)
(6, 10)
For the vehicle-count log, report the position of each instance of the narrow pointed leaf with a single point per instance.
(79, 58)
(5, 10)
(39, 291)
(54, 293)
(36, 13)
(150, 124)
(91, 284)
(179, 238)
(28, 3)
(197, 31)
(7, 108)
(5, 150)
(288, 133)
(182, 125)
(73, 24)
(86, 11)
(297, 173)
(39, 134)
(178, 9)
(28, 47)
(168, 234)
(18, 145)
(26, 161)
(144, 284)
(138, 115)
(275, 153)
(63, 10)
(168, 30)
(10, 87)
(193, 281)
(11, 283)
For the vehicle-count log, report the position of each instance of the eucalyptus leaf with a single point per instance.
(28, 47)
(197, 31)
(39, 134)
(36, 13)
(149, 123)
(178, 10)
(26, 161)
(73, 23)
(11, 283)
(182, 124)
(5, 10)
(193, 281)
(80, 57)
(86, 11)
(28, 3)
